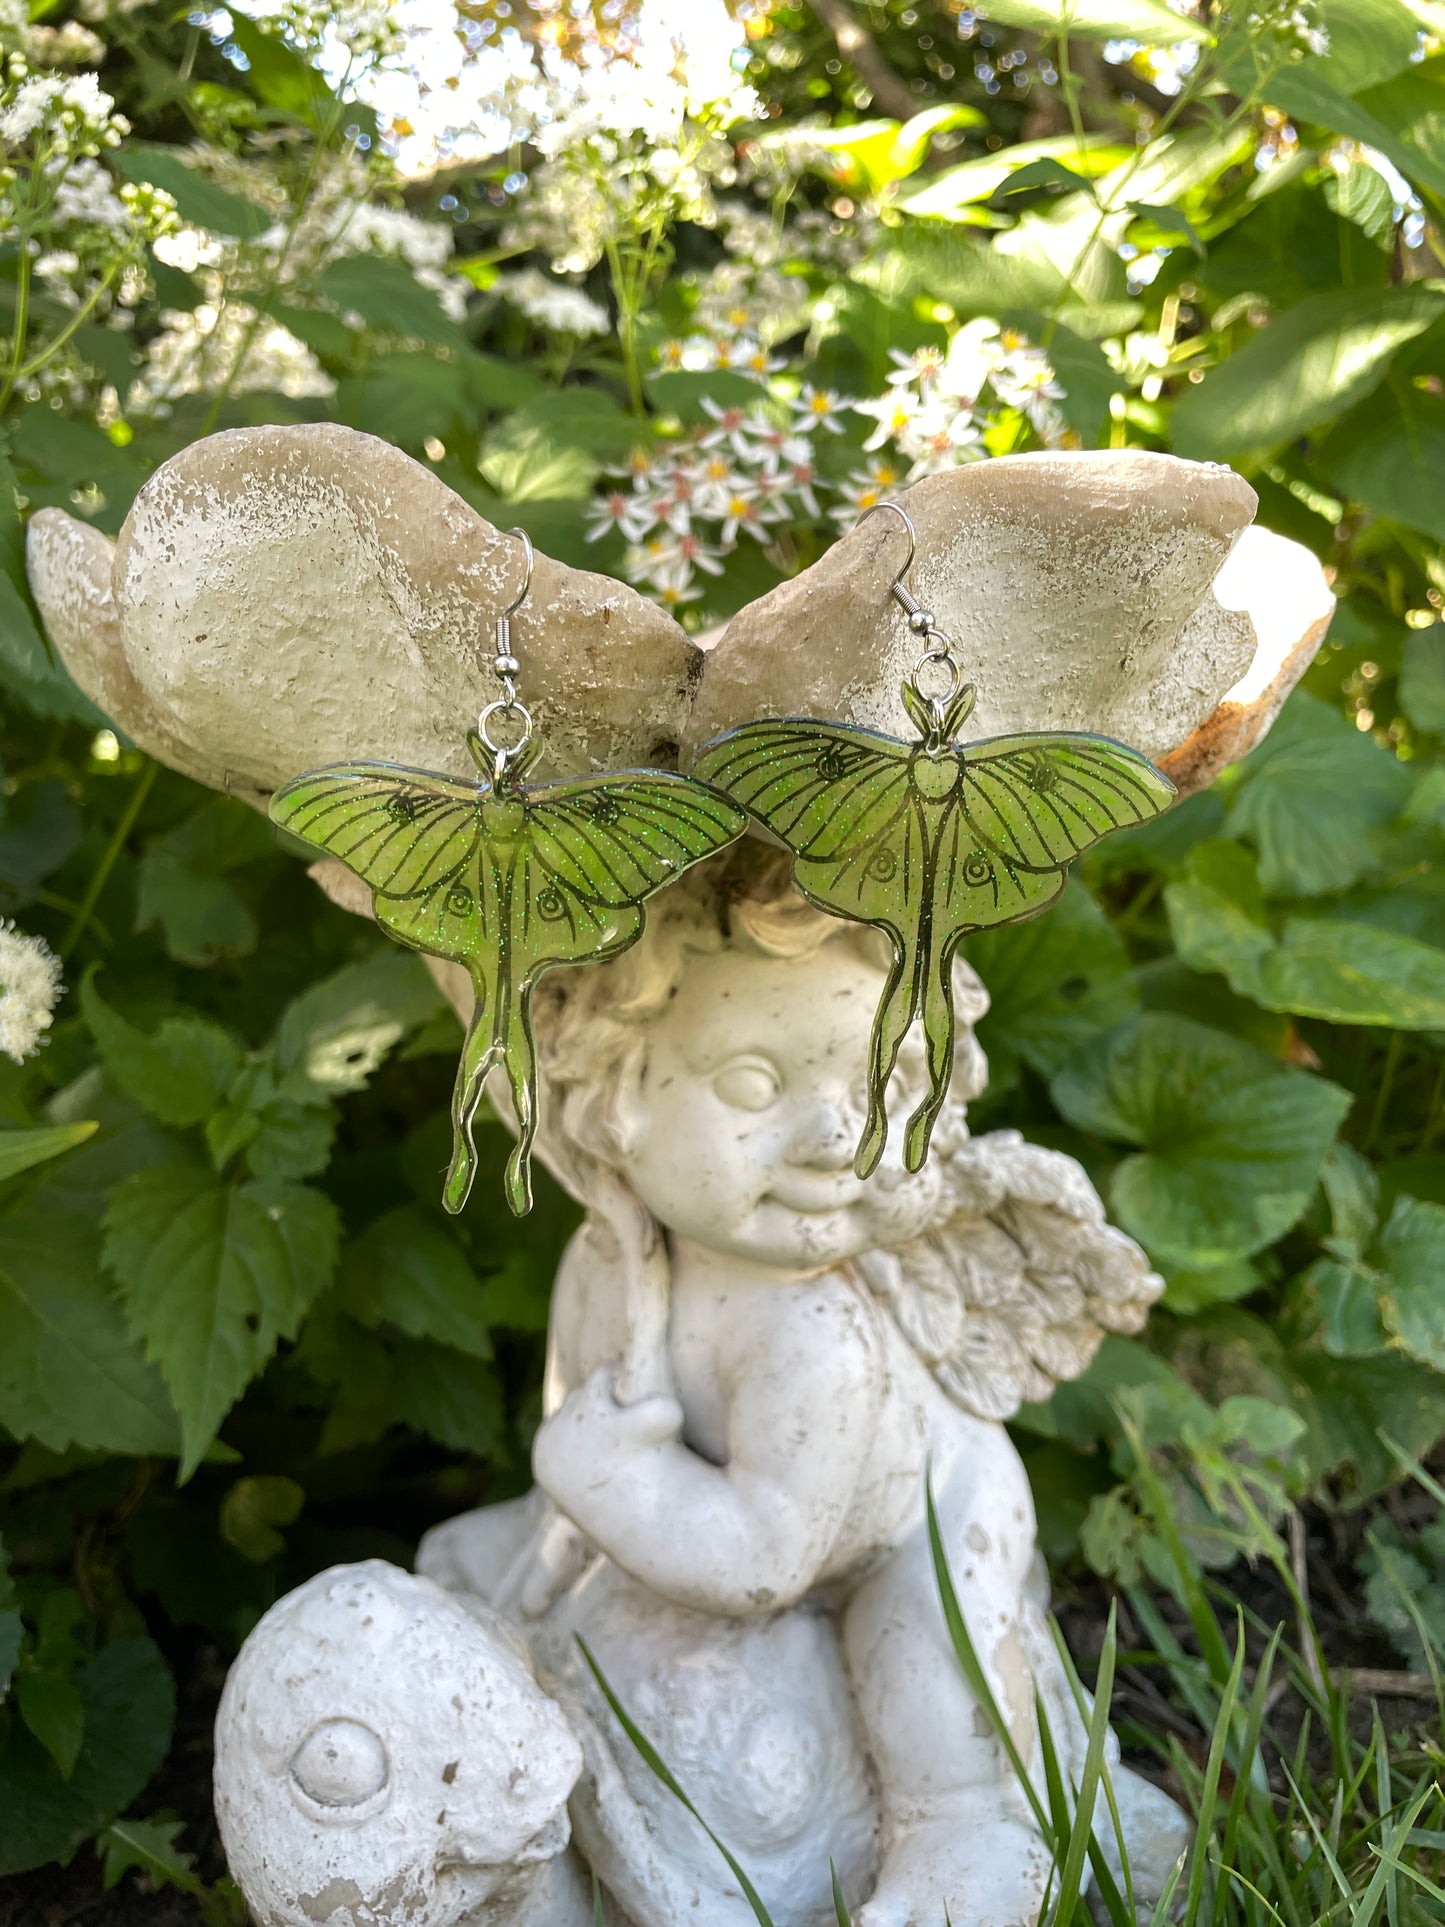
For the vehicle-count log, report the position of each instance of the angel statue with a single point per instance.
(756, 1358)
(759, 1362)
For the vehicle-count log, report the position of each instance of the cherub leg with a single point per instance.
(958, 1841)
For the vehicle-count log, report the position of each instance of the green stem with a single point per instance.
(107, 863)
(56, 342)
(1387, 1085)
(1435, 1114)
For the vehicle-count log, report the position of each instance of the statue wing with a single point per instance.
(1012, 1291)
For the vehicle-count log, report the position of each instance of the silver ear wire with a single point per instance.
(506, 668)
(938, 648)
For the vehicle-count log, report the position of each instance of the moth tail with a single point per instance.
(938, 1028)
(891, 1023)
(519, 1054)
(479, 1053)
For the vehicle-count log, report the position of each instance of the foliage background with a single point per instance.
(238, 1339)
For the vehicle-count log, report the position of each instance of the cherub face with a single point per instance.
(742, 1133)
(381, 1756)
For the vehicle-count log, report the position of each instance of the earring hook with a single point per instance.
(521, 596)
(898, 587)
(506, 668)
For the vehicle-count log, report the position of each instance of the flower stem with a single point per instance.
(101, 875)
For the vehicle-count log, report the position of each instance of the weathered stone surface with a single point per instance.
(70, 566)
(1076, 587)
(293, 596)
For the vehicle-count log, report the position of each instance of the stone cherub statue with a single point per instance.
(755, 1358)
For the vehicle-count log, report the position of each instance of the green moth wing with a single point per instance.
(926, 842)
(510, 883)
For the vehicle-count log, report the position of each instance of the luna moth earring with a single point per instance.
(507, 879)
(928, 840)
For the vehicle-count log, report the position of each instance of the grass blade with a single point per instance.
(663, 1772)
(1071, 1874)
(1209, 1790)
(972, 1667)
(840, 1905)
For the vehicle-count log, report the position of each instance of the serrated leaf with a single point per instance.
(405, 1270)
(213, 1276)
(455, 1399)
(332, 1037)
(19, 1150)
(1306, 366)
(1054, 983)
(1230, 1142)
(179, 1075)
(148, 1847)
(51, 1706)
(69, 1373)
(1344, 972)
(129, 1706)
(1312, 797)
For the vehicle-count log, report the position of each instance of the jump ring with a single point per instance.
(506, 709)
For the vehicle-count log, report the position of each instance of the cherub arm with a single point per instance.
(750, 1535)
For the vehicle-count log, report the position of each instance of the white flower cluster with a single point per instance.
(70, 113)
(937, 405)
(751, 472)
(30, 988)
(198, 352)
(754, 469)
(554, 302)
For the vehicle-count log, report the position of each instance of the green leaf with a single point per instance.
(452, 1398)
(183, 883)
(525, 462)
(69, 1374)
(253, 1509)
(333, 1036)
(147, 1847)
(51, 1706)
(405, 1270)
(1360, 193)
(1369, 41)
(212, 1276)
(41, 829)
(280, 76)
(1149, 22)
(1303, 368)
(681, 391)
(1346, 973)
(19, 1150)
(1389, 455)
(1054, 983)
(1231, 1142)
(197, 199)
(129, 1706)
(1422, 676)
(970, 182)
(1171, 222)
(1412, 1304)
(388, 297)
(1311, 796)
(180, 1074)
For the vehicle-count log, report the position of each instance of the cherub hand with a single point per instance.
(580, 1450)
